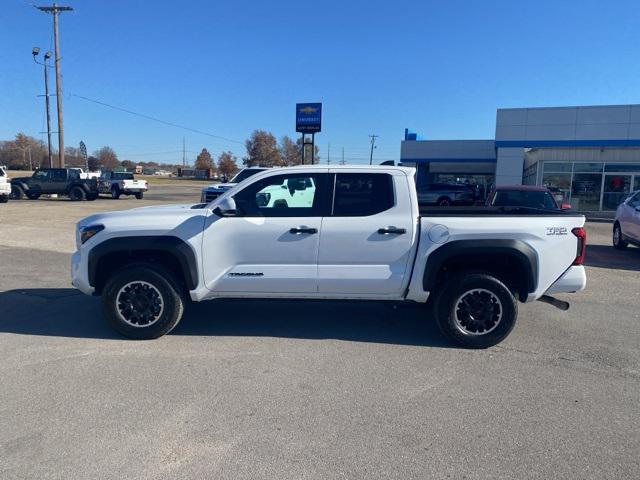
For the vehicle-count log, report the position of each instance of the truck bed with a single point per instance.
(484, 211)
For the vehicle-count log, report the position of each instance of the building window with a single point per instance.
(559, 184)
(557, 167)
(585, 190)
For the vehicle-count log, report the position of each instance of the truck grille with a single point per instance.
(211, 196)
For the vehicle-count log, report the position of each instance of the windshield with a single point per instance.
(243, 174)
(520, 198)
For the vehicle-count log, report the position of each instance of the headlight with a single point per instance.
(90, 231)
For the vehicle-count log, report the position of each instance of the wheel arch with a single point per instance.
(491, 256)
(172, 253)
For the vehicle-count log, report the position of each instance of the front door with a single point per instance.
(366, 242)
(40, 181)
(270, 247)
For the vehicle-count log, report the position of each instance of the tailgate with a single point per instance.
(134, 184)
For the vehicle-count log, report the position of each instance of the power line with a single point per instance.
(149, 117)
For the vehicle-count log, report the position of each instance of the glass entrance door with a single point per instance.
(616, 189)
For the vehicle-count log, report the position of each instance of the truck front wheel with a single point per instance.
(475, 310)
(115, 192)
(142, 302)
(17, 193)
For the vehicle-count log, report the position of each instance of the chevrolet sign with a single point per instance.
(308, 117)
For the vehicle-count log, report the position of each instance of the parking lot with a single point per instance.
(283, 389)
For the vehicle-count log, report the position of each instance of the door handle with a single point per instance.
(392, 230)
(299, 230)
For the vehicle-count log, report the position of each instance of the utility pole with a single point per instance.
(184, 158)
(328, 154)
(47, 55)
(55, 10)
(373, 143)
(342, 162)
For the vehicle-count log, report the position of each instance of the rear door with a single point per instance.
(631, 225)
(58, 183)
(366, 241)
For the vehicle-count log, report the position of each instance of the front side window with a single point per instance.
(634, 201)
(362, 194)
(294, 195)
(41, 175)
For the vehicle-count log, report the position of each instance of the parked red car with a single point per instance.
(524, 196)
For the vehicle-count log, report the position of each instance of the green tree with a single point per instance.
(227, 165)
(204, 160)
(262, 150)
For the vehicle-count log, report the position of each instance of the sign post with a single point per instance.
(308, 120)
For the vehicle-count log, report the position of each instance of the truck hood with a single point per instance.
(179, 220)
(20, 179)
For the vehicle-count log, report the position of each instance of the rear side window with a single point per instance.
(362, 194)
(122, 176)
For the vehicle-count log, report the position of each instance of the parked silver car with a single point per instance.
(626, 228)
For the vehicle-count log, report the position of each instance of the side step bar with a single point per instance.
(561, 304)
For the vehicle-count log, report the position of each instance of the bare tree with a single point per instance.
(107, 158)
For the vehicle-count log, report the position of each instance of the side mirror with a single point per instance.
(226, 207)
(565, 206)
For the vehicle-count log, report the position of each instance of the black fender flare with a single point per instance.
(175, 246)
(517, 250)
(23, 185)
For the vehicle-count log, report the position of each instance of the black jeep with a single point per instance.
(61, 181)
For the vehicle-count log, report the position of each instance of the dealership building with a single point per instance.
(589, 155)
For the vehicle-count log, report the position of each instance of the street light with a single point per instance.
(47, 56)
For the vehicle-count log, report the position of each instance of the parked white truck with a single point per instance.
(5, 186)
(360, 234)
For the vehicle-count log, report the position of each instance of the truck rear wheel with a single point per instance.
(139, 195)
(475, 310)
(115, 192)
(4, 198)
(76, 194)
(142, 302)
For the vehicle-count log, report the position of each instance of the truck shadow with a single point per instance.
(605, 256)
(64, 312)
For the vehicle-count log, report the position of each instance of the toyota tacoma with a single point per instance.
(330, 233)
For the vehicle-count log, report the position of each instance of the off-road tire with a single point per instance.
(17, 193)
(444, 202)
(115, 192)
(166, 288)
(449, 309)
(76, 194)
(139, 195)
(4, 198)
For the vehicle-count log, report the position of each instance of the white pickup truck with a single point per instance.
(121, 183)
(345, 233)
(5, 186)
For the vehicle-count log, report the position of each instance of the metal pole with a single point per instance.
(328, 154)
(303, 148)
(46, 100)
(58, 88)
(313, 148)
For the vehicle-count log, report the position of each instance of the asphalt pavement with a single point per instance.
(304, 389)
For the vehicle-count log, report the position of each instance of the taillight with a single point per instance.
(582, 244)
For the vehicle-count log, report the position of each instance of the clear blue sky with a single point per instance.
(440, 68)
